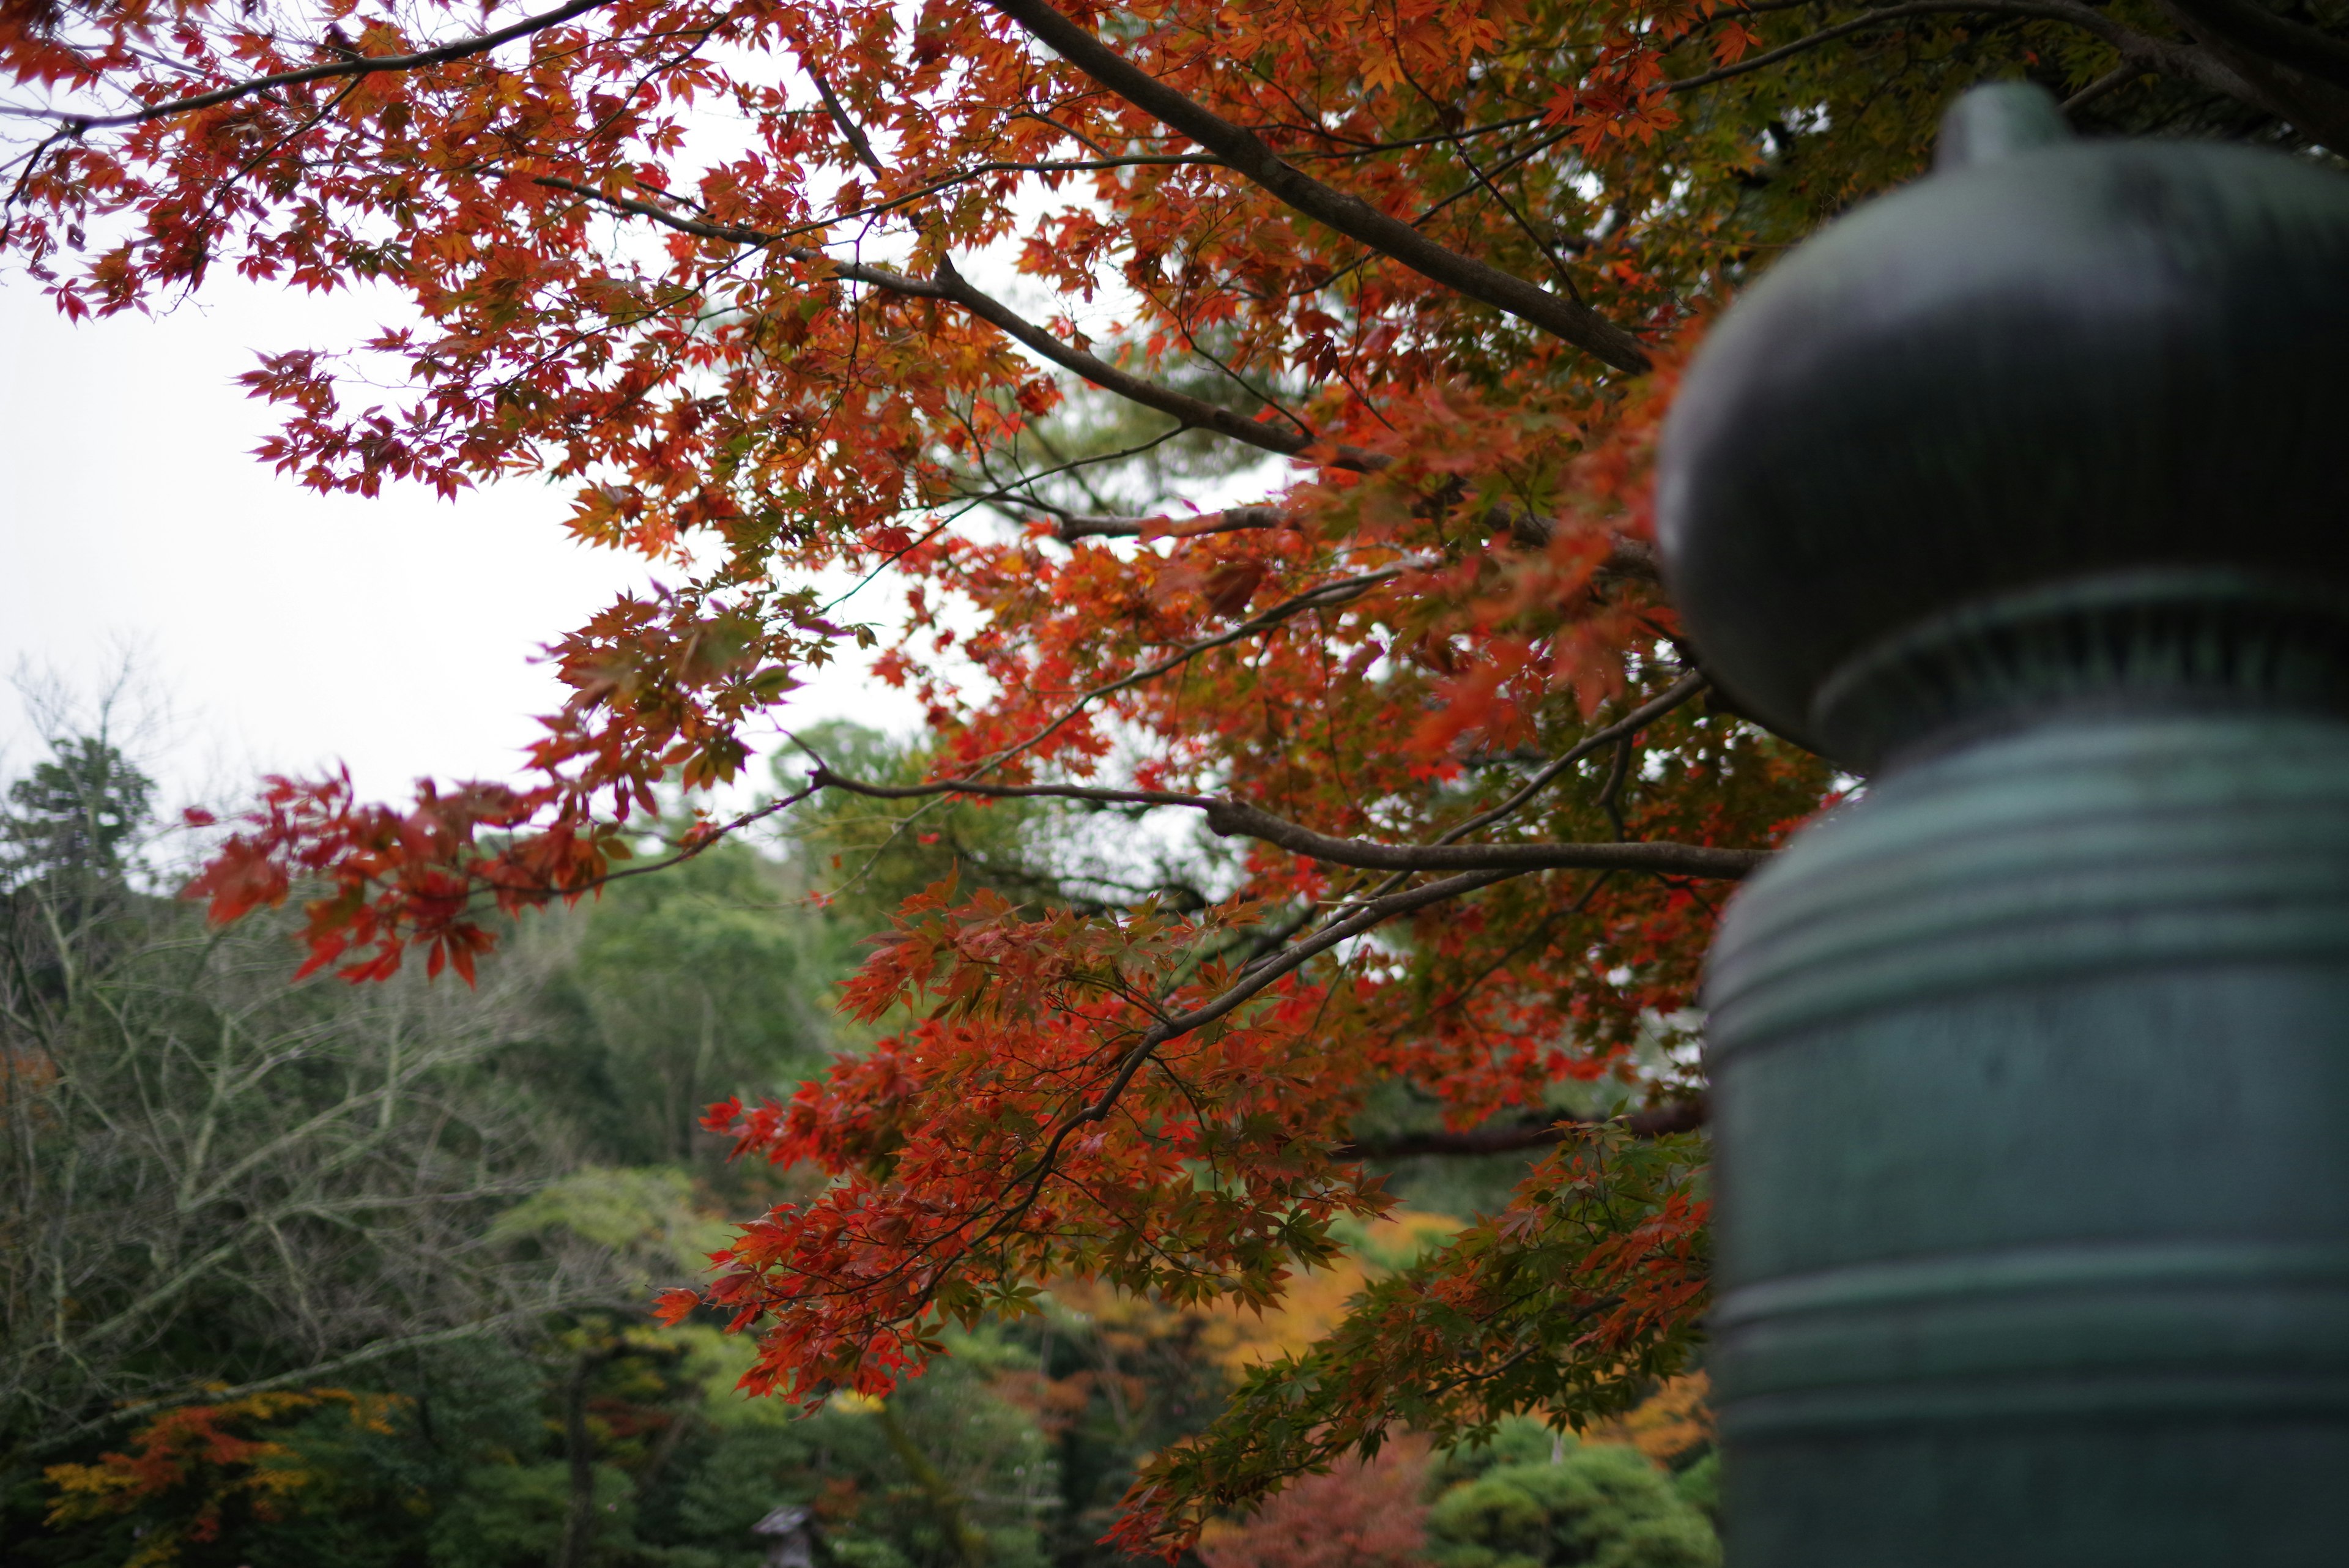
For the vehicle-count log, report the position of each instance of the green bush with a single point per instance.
(1590, 1506)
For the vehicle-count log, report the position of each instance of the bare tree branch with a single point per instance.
(302, 1174)
(376, 1350)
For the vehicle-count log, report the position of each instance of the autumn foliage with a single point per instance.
(975, 297)
(202, 1468)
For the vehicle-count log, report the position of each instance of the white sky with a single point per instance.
(287, 629)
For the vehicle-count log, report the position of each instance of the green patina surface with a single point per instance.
(2031, 1065)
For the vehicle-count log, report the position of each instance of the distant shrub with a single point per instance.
(1590, 1506)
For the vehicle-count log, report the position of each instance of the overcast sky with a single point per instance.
(288, 629)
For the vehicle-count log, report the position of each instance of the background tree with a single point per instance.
(684, 989)
(464, 1388)
(331, 1273)
(784, 289)
(213, 1177)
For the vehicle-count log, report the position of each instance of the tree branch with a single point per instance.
(2284, 42)
(2113, 81)
(1671, 697)
(1626, 557)
(2281, 83)
(1194, 413)
(1251, 982)
(1510, 1136)
(1229, 818)
(1231, 520)
(362, 67)
(374, 1350)
(1328, 596)
(2152, 54)
(1248, 155)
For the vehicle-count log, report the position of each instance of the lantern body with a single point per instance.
(2032, 1090)
(2028, 490)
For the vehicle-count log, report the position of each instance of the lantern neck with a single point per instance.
(1998, 121)
(2178, 638)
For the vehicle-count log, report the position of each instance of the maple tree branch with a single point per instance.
(1510, 1136)
(708, 838)
(1246, 155)
(1639, 561)
(1328, 596)
(1374, 913)
(1192, 413)
(822, 777)
(1679, 691)
(1648, 712)
(2296, 84)
(2305, 49)
(1229, 818)
(2119, 76)
(1010, 490)
(1232, 818)
(1626, 557)
(963, 177)
(1230, 520)
(732, 234)
(364, 66)
(854, 132)
(2153, 54)
(1252, 983)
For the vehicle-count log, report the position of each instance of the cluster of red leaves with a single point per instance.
(661, 686)
(399, 877)
(964, 1169)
